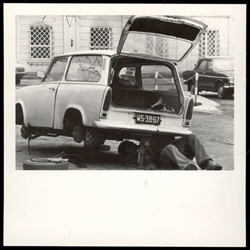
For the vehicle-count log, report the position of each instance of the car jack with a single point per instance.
(142, 152)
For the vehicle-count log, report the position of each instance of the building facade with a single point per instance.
(40, 38)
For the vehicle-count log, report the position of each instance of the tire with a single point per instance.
(220, 91)
(44, 164)
(77, 133)
(192, 89)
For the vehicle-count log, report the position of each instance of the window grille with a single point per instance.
(40, 42)
(209, 43)
(101, 38)
(156, 45)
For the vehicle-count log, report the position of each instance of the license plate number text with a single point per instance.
(147, 119)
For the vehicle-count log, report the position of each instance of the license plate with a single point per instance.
(147, 119)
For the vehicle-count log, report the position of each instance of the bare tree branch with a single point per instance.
(44, 18)
(68, 21)
(77, 21)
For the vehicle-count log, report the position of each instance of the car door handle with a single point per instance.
(51, 88)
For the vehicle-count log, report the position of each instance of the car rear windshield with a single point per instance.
(223, 65)
(87, 68)
(156, 45)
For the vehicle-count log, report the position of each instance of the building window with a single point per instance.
(41, 42)
(156, 45)
(101, 38)
(209, 44)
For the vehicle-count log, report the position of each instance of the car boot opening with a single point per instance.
(142, 84)
(126, 94)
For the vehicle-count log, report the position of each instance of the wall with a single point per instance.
(22, 39)
(115, 22)
(82, 34)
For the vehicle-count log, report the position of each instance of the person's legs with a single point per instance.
(191, 147)
(171, 158)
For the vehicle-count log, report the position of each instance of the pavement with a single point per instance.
(204, 104)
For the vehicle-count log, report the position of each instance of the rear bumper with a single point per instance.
(229, 90)
(139, 128)
(229, 87)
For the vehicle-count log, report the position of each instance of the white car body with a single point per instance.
(96, 109)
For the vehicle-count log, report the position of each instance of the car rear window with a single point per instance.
(86, 68)
(223, 65)
(202, 65)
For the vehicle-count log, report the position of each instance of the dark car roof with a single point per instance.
(217, 58)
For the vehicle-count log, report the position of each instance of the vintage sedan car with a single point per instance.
(20, 72)
(115, 95)
(216, 74)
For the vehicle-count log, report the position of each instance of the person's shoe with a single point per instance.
(211, 165)
(150, 166)
(191, 166)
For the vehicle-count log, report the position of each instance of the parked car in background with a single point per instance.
(216, 74)
(20, 72)
(115, 95)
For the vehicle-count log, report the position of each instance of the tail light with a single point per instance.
(189, 113)
(107, 101)
(190, 109)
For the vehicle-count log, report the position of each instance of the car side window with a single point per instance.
(85, 68)
(202, 65)
(209, 66)
(57, 70)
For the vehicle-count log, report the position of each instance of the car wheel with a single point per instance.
(192, 89)
(25, 132)
(220, 91)
(77, 133)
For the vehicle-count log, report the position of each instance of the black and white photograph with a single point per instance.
(109, 103)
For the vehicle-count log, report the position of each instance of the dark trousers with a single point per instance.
(181, 152)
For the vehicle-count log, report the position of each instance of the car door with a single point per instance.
(43, 96)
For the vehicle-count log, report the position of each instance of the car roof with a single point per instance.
(93, 52)
(217, 57)
(110, 53)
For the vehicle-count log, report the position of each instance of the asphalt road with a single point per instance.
(214, 128)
